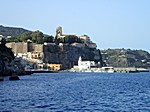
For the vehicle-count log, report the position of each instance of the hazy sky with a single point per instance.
(109, 23)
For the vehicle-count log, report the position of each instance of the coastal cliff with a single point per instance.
(8, 64)
(68, 55)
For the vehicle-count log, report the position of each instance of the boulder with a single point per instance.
(14, 77)
(1, 79)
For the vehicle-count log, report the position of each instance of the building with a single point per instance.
(59, 34)
(85, 65)
(85, 38)
(54, 67)
(35, 55)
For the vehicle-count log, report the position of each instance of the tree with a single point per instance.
(40, 40)
(25, 36)
(57, 40)
(71, 39)
(36, 36)
(49, 39)
(13, 39)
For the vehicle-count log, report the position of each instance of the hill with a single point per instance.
(126, 58)
(12, 31)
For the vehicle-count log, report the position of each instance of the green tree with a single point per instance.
(71, 39)
(36, 36)
(40, 40)
(49, 39)
(13, 39)
(25, 36)
(56, 40)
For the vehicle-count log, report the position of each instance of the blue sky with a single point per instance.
(109, 23)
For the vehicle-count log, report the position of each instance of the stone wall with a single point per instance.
(38, 47)
(18, 47)
(23, 47)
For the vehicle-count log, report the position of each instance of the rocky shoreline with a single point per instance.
(9, 65)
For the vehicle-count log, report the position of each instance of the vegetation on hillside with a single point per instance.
(68, 39)
(11, 31)
(36, 37)
(126, 58)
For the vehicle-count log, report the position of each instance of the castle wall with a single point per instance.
(18, 47)
(22, 47)
(38, 47)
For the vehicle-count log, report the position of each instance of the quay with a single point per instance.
(112, 70)
(130, 69)
(29, 72)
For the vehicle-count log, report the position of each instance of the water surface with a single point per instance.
(77, 92)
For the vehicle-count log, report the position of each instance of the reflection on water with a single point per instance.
(77, 92)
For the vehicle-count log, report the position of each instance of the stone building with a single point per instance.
(85, 39)
(59, 34)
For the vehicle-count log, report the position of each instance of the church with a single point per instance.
(85, 65)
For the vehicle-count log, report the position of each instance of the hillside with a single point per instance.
(12, 31)
(126, 58)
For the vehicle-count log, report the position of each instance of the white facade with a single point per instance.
(21, 55)
(85, 65)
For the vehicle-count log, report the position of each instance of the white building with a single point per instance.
(85, 65)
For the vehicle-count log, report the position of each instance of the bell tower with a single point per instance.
(59, 31)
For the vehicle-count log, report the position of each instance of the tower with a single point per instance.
(79, 61)
(59, 31)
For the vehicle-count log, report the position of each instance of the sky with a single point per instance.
(108, 23)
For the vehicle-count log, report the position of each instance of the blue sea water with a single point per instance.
(77, 92)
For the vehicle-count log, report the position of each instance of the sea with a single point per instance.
(77, 92)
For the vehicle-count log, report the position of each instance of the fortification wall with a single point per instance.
(38, 47)
(18, 47)
(23, 47)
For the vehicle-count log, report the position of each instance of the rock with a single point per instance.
(15, 77)
(68, 55)
(1, 79)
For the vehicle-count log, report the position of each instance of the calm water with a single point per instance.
(77, 92)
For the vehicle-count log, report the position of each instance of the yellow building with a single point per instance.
(35, 55)
(85, 38)
(55, 67)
